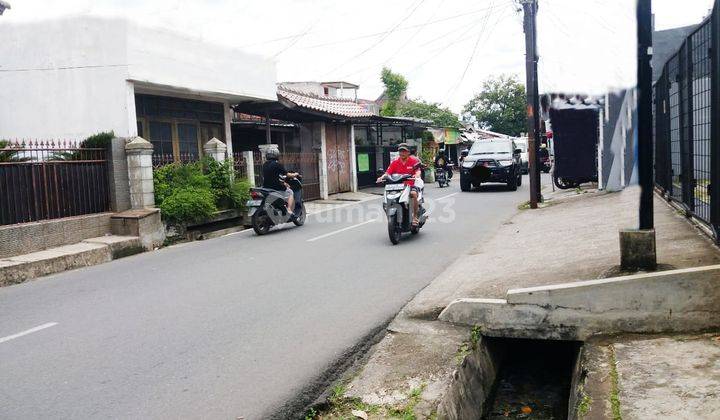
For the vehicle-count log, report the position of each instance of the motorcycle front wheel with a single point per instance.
(393, 231)
(261, 223)
(301, 217)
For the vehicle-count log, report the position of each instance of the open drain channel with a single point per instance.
(507, 378)
(534, 380)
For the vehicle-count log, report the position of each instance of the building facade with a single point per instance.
(73, 77)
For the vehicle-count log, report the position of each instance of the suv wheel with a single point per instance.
(512, 182)
(465, 184)
(519, 180)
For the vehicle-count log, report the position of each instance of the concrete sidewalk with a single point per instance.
(574, 237)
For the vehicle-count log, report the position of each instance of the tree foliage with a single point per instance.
(433, 111)
(500, 105)
(395, 86)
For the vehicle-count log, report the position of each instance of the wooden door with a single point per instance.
(343, 158)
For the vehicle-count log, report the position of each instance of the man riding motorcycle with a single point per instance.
(406, 165)
(272, 170)
(441, 162)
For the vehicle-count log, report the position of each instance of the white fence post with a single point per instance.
(249, 167)
(140, 173)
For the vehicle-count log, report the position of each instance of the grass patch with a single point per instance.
(524, 206)
(469, 346)
(614, 386)
(584, 406)
(341, 407)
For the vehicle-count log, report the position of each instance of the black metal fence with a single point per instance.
(687, 125)
(49, 180)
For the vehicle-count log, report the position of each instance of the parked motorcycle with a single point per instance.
(398, 207)
(268, 208)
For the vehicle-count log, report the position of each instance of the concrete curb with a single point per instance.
(670, 301)
(93, 251)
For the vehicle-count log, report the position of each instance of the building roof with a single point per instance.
(340, 85)
(339, 107)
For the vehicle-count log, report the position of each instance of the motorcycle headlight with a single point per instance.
(468, 165)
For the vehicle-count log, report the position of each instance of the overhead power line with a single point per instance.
(472, 56)
(384, 37)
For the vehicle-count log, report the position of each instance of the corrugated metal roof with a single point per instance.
(334, 106)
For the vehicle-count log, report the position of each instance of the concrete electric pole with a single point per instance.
(530, 8)
(644, 81)
(637, 247)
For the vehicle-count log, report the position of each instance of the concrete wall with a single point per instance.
(30, 237)
(73, 77)
(669, 301)
(63, 78)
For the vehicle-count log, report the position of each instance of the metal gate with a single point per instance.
(687, 124)
(45, 180)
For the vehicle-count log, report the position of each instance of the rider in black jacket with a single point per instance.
(442, 162)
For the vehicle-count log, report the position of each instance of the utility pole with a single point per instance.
(637, 246)
(644, 80)
(530, 8)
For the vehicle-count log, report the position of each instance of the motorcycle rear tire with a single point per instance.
(300, 220)
(261, 223)
(393, 231)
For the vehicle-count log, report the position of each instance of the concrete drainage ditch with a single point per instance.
(516, 378)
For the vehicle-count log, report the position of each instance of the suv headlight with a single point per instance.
(468, 165)
(505, 163)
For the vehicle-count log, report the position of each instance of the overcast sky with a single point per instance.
(445, 48)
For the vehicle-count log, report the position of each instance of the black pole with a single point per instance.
(644, 85)
(533, 101)
(268, 136)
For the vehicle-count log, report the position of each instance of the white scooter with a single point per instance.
(398, 208)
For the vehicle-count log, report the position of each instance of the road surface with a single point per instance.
(231, 327)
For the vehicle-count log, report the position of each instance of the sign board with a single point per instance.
(363, 162)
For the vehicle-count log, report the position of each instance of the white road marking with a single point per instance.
(447, 196)
(26, 332)
(341, 230)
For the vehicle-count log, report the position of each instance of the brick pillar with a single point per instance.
(249, 167)
(215, 149)
(118, 174)
(140, 173)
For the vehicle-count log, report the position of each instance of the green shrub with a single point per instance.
(188, 204)
(191, 192)
(100, 140)
(229, 192)
(170, 178)
(240, 193)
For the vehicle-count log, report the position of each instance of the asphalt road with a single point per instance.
(231, 327)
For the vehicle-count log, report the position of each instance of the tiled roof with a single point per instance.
(334, 106)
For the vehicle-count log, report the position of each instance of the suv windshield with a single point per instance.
(481, 147)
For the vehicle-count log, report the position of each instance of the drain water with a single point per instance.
(533, 381)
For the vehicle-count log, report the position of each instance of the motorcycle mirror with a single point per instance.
(517, 151)
(380, 171)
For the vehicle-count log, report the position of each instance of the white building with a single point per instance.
(73, 77)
